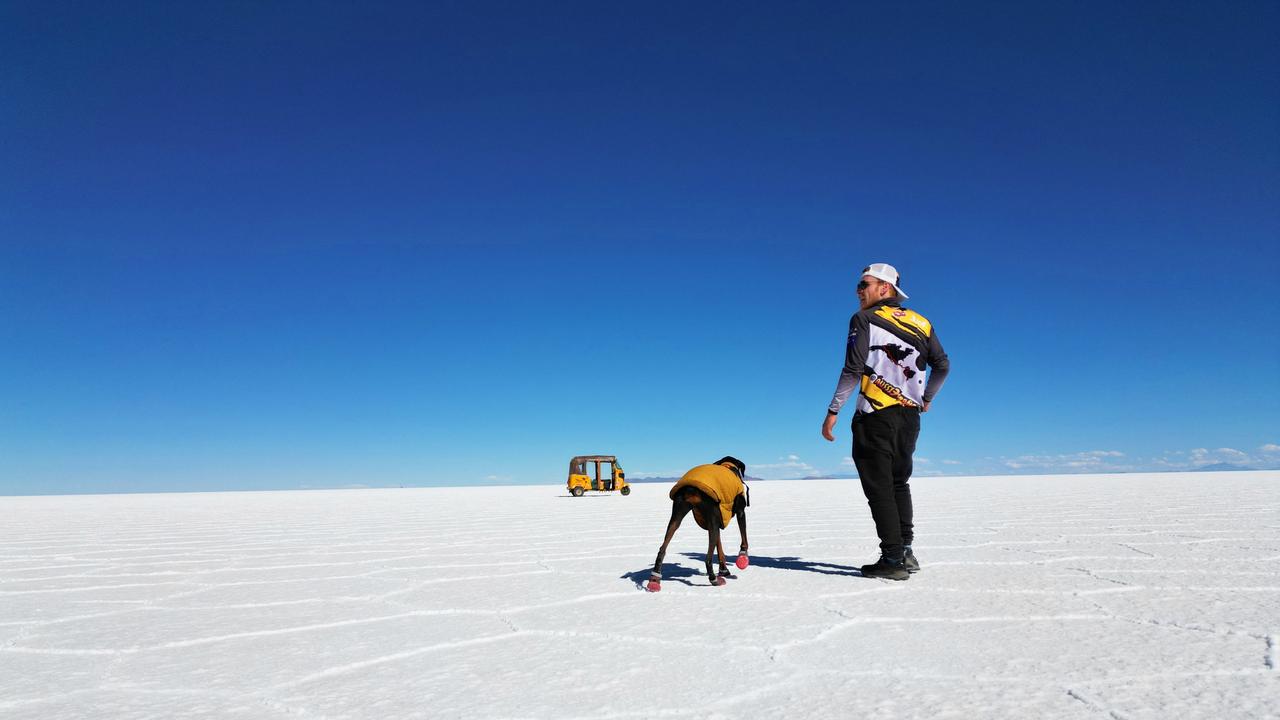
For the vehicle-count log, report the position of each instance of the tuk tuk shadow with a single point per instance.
(670, 573)
(795, 563)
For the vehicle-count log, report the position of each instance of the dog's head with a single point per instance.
(734, 464)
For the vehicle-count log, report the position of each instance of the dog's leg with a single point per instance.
(679, 508)
(712, 538)
(711, 511)
(742, 528)
(724, 567)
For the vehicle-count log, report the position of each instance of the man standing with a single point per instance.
(884, 361)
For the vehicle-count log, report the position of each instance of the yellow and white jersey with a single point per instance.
(888, 350)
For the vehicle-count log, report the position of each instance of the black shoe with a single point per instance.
(910, 563)
(886, 568)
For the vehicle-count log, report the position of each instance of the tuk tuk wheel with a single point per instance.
(577, 492)
(626, 490)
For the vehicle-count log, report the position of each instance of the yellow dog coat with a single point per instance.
(718, 482)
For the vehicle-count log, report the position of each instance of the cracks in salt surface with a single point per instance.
(516, 633)
(499, 614)
(1094, 705)
(1101, 578)
(1270, 657)
(1140, 552)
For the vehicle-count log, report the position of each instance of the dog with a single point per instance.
(713, 493)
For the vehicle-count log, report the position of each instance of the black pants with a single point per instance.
(883, 442)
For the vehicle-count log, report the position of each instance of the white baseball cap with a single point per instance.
(887, 273)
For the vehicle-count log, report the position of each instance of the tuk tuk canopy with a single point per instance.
(578, 465)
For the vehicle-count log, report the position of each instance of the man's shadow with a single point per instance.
(682, 574)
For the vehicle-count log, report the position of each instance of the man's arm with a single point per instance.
(939, 366)
(850, 382)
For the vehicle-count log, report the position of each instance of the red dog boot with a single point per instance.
(655, 584)
(742, 560)
(718, 580)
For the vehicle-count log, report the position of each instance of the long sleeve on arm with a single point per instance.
(855, 359)
(939, 366)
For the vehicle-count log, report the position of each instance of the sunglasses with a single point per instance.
(863, 285)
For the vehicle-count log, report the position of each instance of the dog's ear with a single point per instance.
(737, 464)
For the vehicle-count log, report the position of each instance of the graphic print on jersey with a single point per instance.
(897, 354)
(893, 372)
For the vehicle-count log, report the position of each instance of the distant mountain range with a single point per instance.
(1221, 467)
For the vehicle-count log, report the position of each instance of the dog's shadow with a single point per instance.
(795, 563)
(670, 573)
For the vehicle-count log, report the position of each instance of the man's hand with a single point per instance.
(827, 426)
(924, 408)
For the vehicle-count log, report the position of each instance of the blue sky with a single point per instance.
(280, 245)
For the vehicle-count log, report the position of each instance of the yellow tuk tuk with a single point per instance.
(581, 481)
